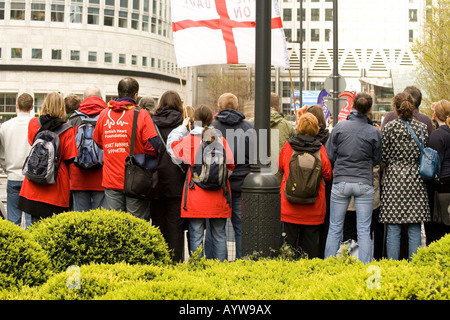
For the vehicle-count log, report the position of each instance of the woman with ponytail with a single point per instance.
(440, 141)
(404, 199)
(199, 204)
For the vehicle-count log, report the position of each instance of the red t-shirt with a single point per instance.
(57, 194)
(113, 134)
(306, 214)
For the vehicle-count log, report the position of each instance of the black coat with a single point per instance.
(170, 176)
(235, 120)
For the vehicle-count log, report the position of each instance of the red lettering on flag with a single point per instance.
(225, 24)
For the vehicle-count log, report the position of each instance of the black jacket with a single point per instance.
(440, 141)
(235, 122)
(170, 176)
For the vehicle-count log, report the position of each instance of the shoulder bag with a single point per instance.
(140, 182)
(429, 163)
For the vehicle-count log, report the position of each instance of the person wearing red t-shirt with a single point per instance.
(113, 134)
(40, 200)
(200, 204)
(302, 221)
(86, 184)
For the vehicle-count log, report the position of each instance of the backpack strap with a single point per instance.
(165, 146)
(133, 130)
(414, 135)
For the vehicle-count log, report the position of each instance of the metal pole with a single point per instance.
(261, 199)
(300, 41)
(335, 63)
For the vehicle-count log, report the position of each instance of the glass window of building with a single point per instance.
(108, 57)
(0, 53)
(17, 10)
(57, 12)
(39, 99)
(134, 60)
(2, 10)
(37, 10)
(108, 18)
(124, 3)
(36, 53)
(288, 34)
(328, 35)
(94, 1)
(123, 16)
(135, 21)
(328, 14)
(315, 34)
(122, 58)
(144, 61)
(93, 16)
(75, 55)
(287, 14)
(16, 53)
(136, 4)
(315, 14)
(144, 23)
(76, 11)
(56, 54)
(303, 14)
(8, 102)
(92, 56)
(153, 29)
(146, 6)
(110, 3)
(412, 15)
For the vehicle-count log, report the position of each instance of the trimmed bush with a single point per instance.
(22, 260)
(99, 236)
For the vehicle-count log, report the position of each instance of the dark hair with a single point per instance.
(403, 105)
(317, 111)
(204, 114)
(416, 95)
(362, 103)
(72, 102)
(127, 87)
(25, 102)
(172, 100)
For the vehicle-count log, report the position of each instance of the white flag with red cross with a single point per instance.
(222, 32)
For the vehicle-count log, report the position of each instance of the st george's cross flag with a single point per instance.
(222, 32)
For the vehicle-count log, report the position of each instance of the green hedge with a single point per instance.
(22, 260)
(99, 236)
(265, 279)
(120, 257)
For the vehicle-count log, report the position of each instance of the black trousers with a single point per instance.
(166, 214)
(304, 237)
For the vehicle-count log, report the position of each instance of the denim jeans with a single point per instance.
(217, 240)
(12, 200)
(116, 200)
(87, 200)
(341, 194)
(393, 239)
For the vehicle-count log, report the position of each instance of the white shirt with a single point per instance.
(14, 146)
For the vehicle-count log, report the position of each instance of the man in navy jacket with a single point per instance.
(240, 136)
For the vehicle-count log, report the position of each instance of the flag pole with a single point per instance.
(184, 99)
(293, 97)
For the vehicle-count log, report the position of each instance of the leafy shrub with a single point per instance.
(99, 236)
(22, 260)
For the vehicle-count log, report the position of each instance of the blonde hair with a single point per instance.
(442, 111)
(228, 101)
(54, 106)
(308, 125)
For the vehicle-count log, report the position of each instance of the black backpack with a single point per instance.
(305, 176)
(42, 163)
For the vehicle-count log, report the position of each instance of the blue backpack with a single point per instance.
(90, 156)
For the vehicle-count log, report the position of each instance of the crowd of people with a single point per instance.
(368, 186)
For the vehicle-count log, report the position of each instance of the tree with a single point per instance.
(433, 49)
(238, 82)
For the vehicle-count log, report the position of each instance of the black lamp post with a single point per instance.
(261, 230)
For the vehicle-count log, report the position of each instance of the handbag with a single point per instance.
(140, 182)
(441, 211)
(429, 163)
